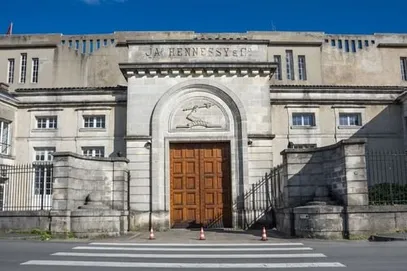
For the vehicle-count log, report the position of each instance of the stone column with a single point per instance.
(355, 172)
(61, 205)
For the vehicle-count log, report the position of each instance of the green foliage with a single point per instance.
(44, 235)
(387, 194)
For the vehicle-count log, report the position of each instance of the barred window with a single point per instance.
(302, 68)
(23, 68)
(403, 68)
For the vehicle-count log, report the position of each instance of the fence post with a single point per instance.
(268, 188)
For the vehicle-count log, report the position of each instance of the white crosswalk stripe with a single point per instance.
(268, 255)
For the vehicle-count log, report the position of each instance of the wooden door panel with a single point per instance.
(200, 184)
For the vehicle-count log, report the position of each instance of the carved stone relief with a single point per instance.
(199, 114)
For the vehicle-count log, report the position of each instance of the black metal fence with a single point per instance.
(263, 197)
(26, 187)
(387, 177)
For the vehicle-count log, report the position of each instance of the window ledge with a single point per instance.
(92, 129)
(304, 127)
(350, 127)
(45, 130)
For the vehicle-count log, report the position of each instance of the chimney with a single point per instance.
(4, 86)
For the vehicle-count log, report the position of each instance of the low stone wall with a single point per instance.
(367, 220)
(24, 220)
(338, 222)
(319, 221)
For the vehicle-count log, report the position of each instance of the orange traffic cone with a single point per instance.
(152, 237)
(264, 235)
(202, 234)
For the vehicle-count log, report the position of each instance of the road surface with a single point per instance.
(270, 255)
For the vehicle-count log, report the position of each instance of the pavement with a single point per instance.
(192, 236)
(182, 249)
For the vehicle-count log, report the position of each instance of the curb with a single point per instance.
(381, 238)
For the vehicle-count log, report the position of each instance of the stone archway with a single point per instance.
(167, 129)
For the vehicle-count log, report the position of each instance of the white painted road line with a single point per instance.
(182, 265)
(193, 256)
(197, 245)
(196, 248)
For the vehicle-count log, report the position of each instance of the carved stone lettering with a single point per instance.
(197, 51)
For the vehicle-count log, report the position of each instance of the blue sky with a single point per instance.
(106, 16)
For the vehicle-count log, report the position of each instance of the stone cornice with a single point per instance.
(137, 137)
(197, 68)
(337, 88)
(102, 159)
(197, 41)
(28, 45)
(69, 104)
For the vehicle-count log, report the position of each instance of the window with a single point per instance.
(93, 151)
(5, 137)
(23, 68)
(10, 71)
(47, 122)
(94, 121)
(403, 67)
(289, 64)
(277, 74)
(350, 119)
(303, 119)
(302, 69)
(35, 69)
(43, 174)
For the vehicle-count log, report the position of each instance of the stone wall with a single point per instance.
(366, 220)
(78, 176)
(88, 192)
(318, 183)
(332, 173)
(24, 220)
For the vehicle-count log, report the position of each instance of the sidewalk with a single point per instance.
(398, 236)
(192, 236)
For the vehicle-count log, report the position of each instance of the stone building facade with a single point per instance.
(200, 117)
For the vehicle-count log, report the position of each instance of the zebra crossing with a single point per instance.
(189, 256)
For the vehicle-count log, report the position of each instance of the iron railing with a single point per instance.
(262, 198)
(26, 187)
(258, 202)
(387, 177)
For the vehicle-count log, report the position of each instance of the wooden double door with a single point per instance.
(200, 185)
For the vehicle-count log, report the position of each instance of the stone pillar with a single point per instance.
(355, 172)
(61, 205)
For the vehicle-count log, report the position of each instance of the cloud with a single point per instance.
(97, 2)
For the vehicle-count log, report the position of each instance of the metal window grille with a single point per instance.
(278, 74)
(10, 72)
(23, 70)
(35, 70)
(289, 59)
(302, 69)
